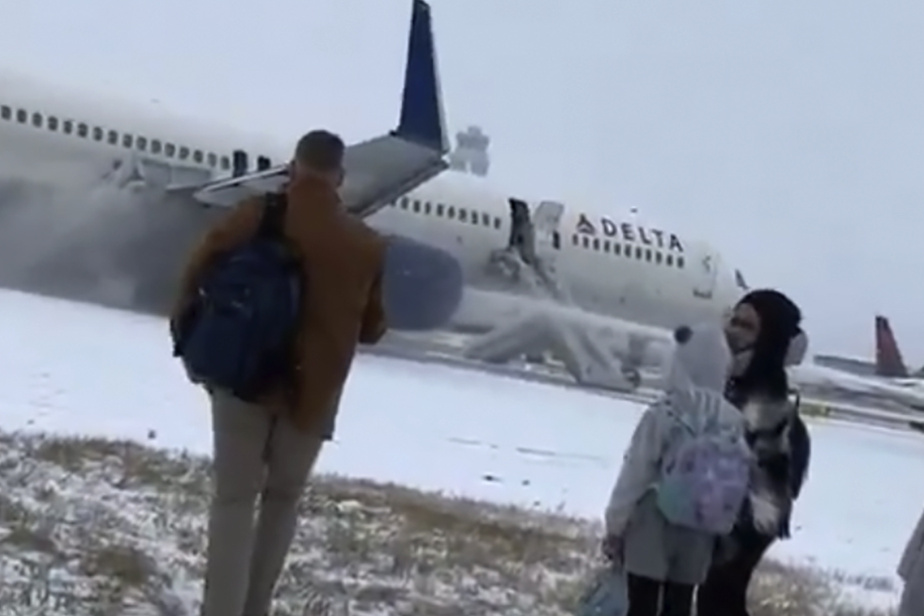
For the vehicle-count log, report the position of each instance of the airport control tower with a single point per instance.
(471, 152)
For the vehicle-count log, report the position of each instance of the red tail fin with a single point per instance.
(889, 361)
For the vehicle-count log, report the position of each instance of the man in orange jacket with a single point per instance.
(269, 448)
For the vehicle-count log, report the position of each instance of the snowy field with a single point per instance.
(75, 369)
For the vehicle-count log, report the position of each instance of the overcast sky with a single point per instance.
(789, 133)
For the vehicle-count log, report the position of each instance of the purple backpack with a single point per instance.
(705, 476)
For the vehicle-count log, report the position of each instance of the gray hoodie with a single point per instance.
(693, 391)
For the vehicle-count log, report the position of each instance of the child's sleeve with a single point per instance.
(639, 470)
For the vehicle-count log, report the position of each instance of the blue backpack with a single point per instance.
(239, 331)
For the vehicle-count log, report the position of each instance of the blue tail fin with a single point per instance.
(422, 117)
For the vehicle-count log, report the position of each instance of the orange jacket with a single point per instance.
(342, 261)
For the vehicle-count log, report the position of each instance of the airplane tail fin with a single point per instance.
(380, 169)
(889, 362)
(422, 118)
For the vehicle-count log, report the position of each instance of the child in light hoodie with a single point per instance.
(683, 479)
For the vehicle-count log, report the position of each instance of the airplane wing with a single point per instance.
(811, 375)
(381, 169)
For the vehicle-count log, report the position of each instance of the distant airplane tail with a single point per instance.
(889, 362)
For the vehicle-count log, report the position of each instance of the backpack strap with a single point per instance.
(274, 213)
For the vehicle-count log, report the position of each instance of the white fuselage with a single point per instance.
(613, 269)
(616, 271)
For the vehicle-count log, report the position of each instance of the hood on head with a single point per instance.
(701, 358)
(779, 323)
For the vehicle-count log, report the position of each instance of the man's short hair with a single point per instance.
(320, 150)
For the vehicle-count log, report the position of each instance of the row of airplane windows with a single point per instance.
(646, 254)
(484, 219)
(449, 211)
(113, 137)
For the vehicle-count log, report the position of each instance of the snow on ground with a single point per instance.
(76, 369)
(93, 526)
(89, 526)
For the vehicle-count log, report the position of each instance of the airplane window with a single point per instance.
(22, 116)
(450, 212)
(97, 133)
(617, 248)
(556, 240)
(440, 208)
(427, 207)
(37, 120)
(485, 219)
(680, 262)
(170, 150)
(6, 112)
(83, 130)
(52, 123)
(474, 218)
(638, 253)
(497, 222)
(225, 162)
(463, 213)
(585, 241)
(574, 239)
(141, 143)
(127, 141)
(156, 146)
(213, 159)
(198, 156)
(184, 152)
(416, 206)
(648, 254)
(658, 258)
(596, 244)
(403, 203)
(669, 259)
(68, 127)
(113, 137)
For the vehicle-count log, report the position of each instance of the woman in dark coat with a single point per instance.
(765, 336)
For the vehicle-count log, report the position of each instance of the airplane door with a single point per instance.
(547, 216)
(545, 221)
(522, 231)
(706, 268)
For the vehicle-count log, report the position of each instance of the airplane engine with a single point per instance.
(422, 286)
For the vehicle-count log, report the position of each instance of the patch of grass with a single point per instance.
(25, 539)
(127, 523)
(167, 471)
(124, 564)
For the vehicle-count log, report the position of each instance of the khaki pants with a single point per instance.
(255, 453)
